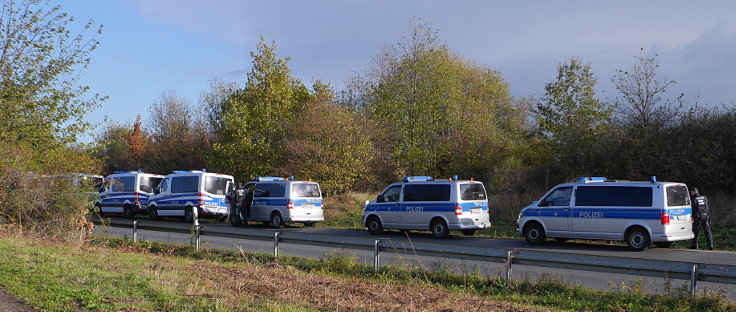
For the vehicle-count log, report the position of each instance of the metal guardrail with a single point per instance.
(694, 272)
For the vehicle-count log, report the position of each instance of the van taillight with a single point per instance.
(665, 218)
(137, 198)
(200, 201)
(290, 205)
(458, 210)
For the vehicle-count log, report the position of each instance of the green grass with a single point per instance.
(67, 279)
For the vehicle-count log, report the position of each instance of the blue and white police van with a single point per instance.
(127, 192)
(421, 203)
(278, 200)
(639, 213)
(181, 192)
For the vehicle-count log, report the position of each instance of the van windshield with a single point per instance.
(305, 190)
(216, 185)
(472, 191)
(677, 196)
(148, 184)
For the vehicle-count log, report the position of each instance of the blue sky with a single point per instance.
(151, 46)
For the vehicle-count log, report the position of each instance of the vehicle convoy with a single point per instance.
(278, 200)
(639, 213)
(127, 192)
(181, 192)
(422, 203)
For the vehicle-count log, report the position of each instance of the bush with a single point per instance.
(38, 194)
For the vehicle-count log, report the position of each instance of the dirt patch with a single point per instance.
(10, 303)
(316, 291)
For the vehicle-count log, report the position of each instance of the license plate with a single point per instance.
(309, 206)
(475, 210)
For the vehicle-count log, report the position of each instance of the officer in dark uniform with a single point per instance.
(234, 200)
(700, 217)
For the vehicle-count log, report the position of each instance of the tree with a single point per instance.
(180, 136)
(641, 101)
(440, 114)
(40, 58)
(252, 125)
(571, 117)
(327, 143)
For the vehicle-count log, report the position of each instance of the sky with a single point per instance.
(148, 47)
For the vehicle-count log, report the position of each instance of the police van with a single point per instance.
(278, 200)
(127, 192)
(183, 191)
(421, 203)
(639, 213)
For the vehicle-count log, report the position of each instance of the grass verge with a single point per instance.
(116, 274)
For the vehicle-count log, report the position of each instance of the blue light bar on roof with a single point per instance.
(261, 179)
(418, 178)
(591, 179)
(653, 179)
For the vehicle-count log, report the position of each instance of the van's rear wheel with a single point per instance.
(439, 228)
(374, 225)
(534, 233)
(277, 221)
(637, 238)
(152, 213)
(188, 214)
(128, 211)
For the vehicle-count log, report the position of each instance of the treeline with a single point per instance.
(421, 108)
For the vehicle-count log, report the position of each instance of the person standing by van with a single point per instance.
(700, 217)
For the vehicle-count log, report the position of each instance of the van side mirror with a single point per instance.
(380, 199)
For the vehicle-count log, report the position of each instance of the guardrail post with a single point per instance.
(376, 255)
(509, 260)
(276, 244)
(196, 246)
(693, 280)
(135, 231)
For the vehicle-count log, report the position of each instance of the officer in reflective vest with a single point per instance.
(700, 217)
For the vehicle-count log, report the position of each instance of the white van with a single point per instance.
(639, 213)
(421, 203)
(127, 192)
(279, 200)
(183, 191)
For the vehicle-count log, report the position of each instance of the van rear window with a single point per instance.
(123, 184)
(427, 192)
(305, 190)
(627, 196)
(148, 184)
(678, 196)
(472, 191)
(216, 185)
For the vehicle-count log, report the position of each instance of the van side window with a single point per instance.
(270, 190)
(626, 196)
(427, 192)
(123, 184)
(185, 184)
(392, 194)
(558, 197)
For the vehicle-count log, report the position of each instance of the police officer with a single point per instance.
(234, 200)
(700, 217)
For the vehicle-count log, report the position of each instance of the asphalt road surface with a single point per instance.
(401, 256)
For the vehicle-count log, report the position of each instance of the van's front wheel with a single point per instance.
(128, 211)
(152, 213)
(534, 233)
(638, 238)
(189, 214)
(374, 225)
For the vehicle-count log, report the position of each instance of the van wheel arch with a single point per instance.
(374, 225)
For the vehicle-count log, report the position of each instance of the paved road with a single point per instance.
(592, 280)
